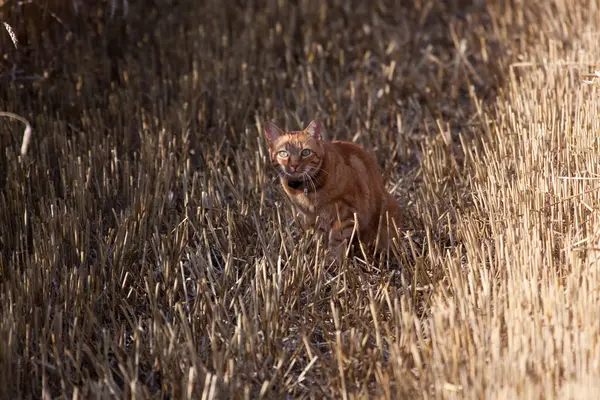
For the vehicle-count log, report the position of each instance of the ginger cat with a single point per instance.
(332, 181)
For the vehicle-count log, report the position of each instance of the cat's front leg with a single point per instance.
(339, 237)
(306, 221)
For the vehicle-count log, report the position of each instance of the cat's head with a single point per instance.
(298, 153)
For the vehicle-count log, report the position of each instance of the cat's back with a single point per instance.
(354, 154)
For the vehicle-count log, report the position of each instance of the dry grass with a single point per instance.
(147, 252)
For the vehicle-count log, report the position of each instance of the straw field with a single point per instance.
(147, 250)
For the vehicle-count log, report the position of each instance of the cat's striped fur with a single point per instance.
(334, 181)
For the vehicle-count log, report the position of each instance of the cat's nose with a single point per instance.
(293, 168)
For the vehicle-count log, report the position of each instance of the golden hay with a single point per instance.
(145, 246)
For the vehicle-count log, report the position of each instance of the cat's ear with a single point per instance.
(272, 132)
(314, 129)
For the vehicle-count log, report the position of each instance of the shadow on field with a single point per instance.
(143, 245)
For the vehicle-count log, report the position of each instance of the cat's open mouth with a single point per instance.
(295, 184)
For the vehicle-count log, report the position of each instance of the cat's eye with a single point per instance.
(283, 154)
(306, 152)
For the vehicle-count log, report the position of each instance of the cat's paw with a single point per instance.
(297, 235)
(331, 259)
(334, 255)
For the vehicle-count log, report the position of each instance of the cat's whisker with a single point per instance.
(280, 174)
(319, 170)
(310, 180)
